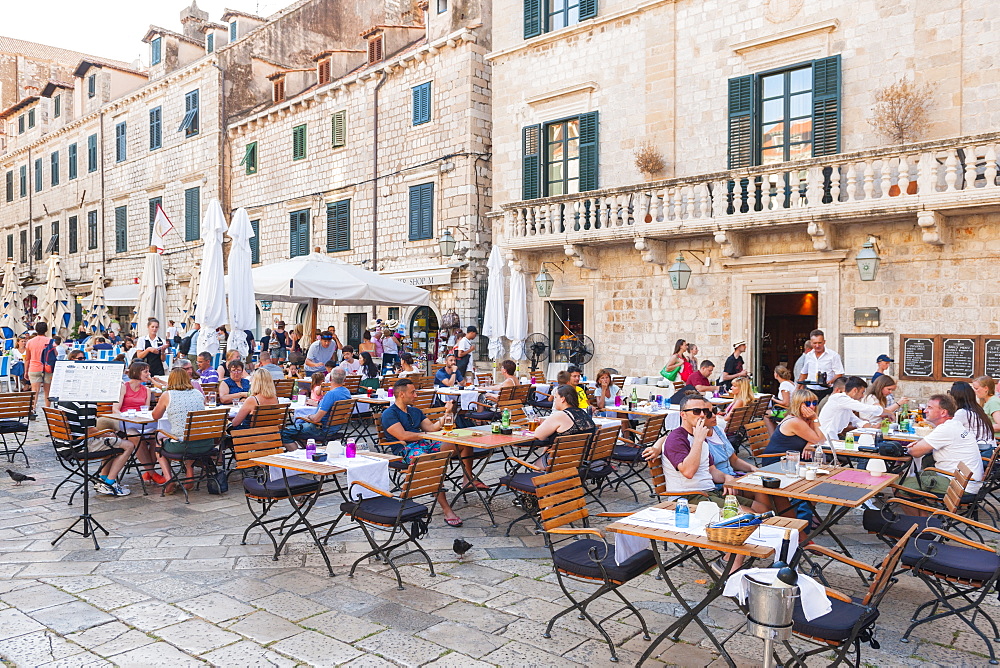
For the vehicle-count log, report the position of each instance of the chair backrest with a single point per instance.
(991, 473)
(274, 416)
(483, 379)
(340, 413)
(883, 579)
(388, 380)
(757, 436)
(516, 410)
(255, 442)
(353, 383)
(425, 474)
(105, 407)
(59, 429)
(619, 382)
(602, 445)
(206, 425)
(16, 405)
(568, 452)
(738, 419)
(210, 387)
(760, 407)
(521, 394)
(506, 393)
(956, 488)
(385, 440)
(424, 400)
(4, 366)
(560, 498)
(285, 388)
(651, 431)
(657, 475)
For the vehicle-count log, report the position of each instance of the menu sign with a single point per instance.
(959, 359)
(918, 357)
(992, 366)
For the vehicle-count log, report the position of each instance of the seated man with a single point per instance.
(698, 381)
(951, 442)
(350, 364)
(206, 372)
(575, 375)
(82, 421)
(266, 362)
(844, 407)
(314, 426)
(447, 376)
(405, 422)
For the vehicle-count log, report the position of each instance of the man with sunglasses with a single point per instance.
(844, 407)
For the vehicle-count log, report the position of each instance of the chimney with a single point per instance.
(192, 19)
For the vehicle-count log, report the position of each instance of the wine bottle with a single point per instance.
(744, 520)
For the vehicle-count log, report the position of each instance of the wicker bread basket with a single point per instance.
(730, 535)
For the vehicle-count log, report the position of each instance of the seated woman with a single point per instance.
(605, 393)
(487, 412)
(316, 389)
(179, 399)
(508, 373)
(742, 395)
(407, 367)
(262, 393)
(236, 387)
(566, 418)
(786, 386)
(135, 395)
(369, 370)
(231, 356)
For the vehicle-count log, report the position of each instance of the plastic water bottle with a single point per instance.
(849, 441)
(351, 450)
(505, 419)
(310, 449)
(682, 514)
(731, 507)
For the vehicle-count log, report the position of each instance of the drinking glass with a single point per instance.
(210, 401)
(447, 422)
(792, 458)
(618, 400)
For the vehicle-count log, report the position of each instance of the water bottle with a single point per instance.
(351, 451)
(505, 419)
(682, 514)
(310, 449)
(635, 397)
(849, 441)
(731, 508)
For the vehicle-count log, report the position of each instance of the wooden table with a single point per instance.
(900, 465)
(693, 547)
(301, 507)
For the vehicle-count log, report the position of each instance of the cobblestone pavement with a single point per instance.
(173, 586)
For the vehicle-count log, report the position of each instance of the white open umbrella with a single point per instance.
(320, 279)
(55, 306)
(11, 314)
(152, 292)
(242, 306)
(97, 320)
(211, 309)
(517, 314)
(494, 319)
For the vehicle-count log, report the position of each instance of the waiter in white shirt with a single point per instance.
(821, 368)
(844, 407)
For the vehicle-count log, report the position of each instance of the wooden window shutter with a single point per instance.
(422, 103)
(741, 117)
(338, 226)
(531, 156)
(324, 71)
(588, 9)
(427, 211)
(339, 129)
(826, 106)
(121, 229)
(278, 89)
(298, 239)
(192, 214)
(532, 18)
(299, 142)
(255, 242)
(589, 151)
(374, 49)
(73, 158)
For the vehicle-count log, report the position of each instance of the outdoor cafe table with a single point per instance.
(482, 438)
(842, 488)
(323, 473)
(693, 547)
(900, 465)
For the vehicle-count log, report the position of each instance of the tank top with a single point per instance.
(234, 387)
(582, 424)
(780, 443)
(134, 400)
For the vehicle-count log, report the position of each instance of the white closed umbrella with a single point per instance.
(190, 298)
(152, 292)
(494, 319)
(11, 314)
(517, 314)
(97, 320)
(211, 310)
(55, 307)
(242, 305)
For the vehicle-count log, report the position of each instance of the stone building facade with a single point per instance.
(772, 176)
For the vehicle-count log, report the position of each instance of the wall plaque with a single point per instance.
(958, 358)
(918, 358)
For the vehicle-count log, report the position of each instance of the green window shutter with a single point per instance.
(250, 158)
(422, 103)
(92, 153)
(299, 142)
(10, 186)
(422, 212)
(589, 151)
(338, 226)
(54, 176)
(531, 157)
(741, 125)
(121, 229)
(588, 9)
(298, 239)
(57, 102)
(38, 175)
(155, 128)
(339, 129)
(255, 242)
(120, 142)
(91, 230)
(73, 158)
(192, 214)
(826, 106)
(532, 18)
(74, 244)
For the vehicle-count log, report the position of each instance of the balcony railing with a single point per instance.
(894, 181)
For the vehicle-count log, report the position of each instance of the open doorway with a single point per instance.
(566, 320)
(783, 323)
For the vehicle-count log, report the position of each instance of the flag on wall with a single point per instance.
(161, 227)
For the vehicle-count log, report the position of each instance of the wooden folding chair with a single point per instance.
(285, 388)
(275, 417)
(761, 406)
(203, 434)
(389, 380)
(735, 424)
(353, 383)
(15, 412)
(597, 466)
(72, 452)
(628, 453)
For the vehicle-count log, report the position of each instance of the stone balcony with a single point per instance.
(927, 181)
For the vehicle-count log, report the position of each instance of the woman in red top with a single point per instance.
(135, 395)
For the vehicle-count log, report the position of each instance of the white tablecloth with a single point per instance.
(465, 397)
(812, 595)
(371, 470)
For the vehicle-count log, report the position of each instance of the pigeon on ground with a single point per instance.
(461, 547)
(18, 478)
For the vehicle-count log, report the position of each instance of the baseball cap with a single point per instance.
(884, 358)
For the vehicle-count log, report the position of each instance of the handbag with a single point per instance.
(670, 375)
(217, 483)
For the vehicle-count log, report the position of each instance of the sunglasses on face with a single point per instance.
(810, 403)
(707, 412)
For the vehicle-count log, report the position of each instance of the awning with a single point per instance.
(122, 295)
(423, 276)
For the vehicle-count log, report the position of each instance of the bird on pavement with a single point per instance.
(18, 478)
(461, 547)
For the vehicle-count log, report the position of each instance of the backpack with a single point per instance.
(49, 356)
(184, 347)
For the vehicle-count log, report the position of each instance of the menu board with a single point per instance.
(992, 358)
(918, 357)
(958, 358)
(87, 381)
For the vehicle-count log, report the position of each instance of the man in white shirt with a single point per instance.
(821, 368)
(801, 361)
(350, 365)
(844, 408)
(950, 443)
(464, 348)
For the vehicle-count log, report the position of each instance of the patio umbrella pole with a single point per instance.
(313, 307)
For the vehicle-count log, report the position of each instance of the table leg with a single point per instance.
(471, 487)
(302, 510)
(826, 526)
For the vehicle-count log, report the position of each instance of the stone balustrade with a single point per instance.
(926, 180)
